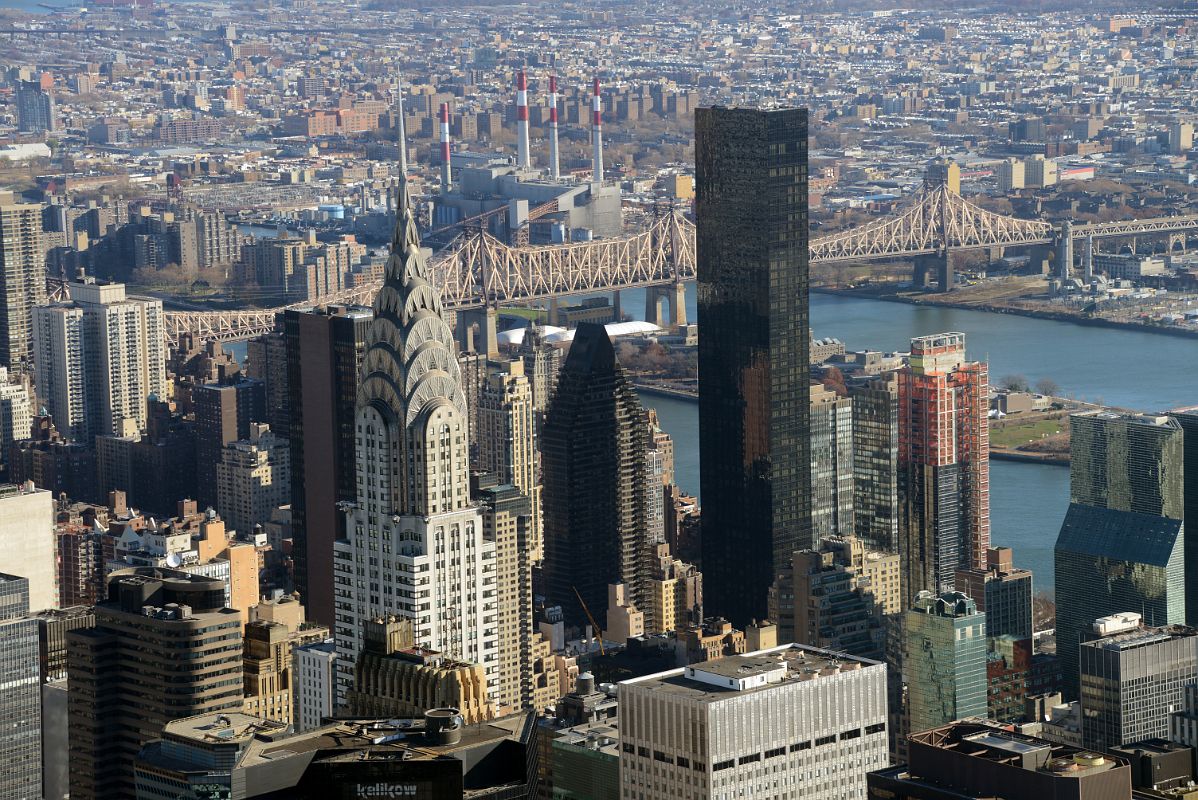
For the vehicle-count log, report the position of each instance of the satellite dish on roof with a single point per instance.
(173, 561)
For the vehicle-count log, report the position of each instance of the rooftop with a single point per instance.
(752, 672)
(227, 728)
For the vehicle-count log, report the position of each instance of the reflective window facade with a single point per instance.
(1108, 562)
(751, 210)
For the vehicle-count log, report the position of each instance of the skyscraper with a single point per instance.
(1122, 544)
(20, 693)
(1003, 591)
(22, 278)
(945, 660)
(99, 358)
(593, 452)
(744, 726)
(253, 478)
(223, 413)
(751, 210)
(944, 467)
(1189, 425)
(414, 544)
(506, 437)
(1132, 679)
(27, 542)
(875, 461)
(127, 677)
(831, 463)
(1108, 562)
(324, 355)
(1127, 462)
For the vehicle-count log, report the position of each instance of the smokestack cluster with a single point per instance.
(597, 131)
(554, 170)
(522, 155)
(446, 177)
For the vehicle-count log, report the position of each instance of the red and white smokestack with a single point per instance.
(597, 131)
(522, 157)
(554, 170)
(446, 176)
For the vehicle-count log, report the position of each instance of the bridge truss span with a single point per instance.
(937, 220)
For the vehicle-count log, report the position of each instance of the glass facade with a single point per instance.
(20, 693)
(751, 212)
(593, 460)
(1109, 562)
(1128, 463)
(875, 462)
(1189, 426)
(945, 660)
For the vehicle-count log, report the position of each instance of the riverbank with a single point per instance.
(992, 308)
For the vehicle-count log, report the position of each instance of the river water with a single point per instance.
(1027, 501)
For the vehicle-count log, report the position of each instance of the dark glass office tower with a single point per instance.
(324, 353)
(593, 452)
(754, 385)
(1189, 425)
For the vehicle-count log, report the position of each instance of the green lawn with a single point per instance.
(524, 313)
(1012, 433)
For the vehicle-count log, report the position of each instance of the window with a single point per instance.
(853, 734)
(876, 728)
(751, 758)
(797, 746)
(823, 740)
(777, 751)
(721, 765)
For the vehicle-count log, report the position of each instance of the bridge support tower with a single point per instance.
(486, 321)
(1065, 251)
(675, 295)
(938, 266)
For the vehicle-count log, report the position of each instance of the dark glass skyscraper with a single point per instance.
(324, 354)
(593, 458)
(1189, 425)
(754, 385)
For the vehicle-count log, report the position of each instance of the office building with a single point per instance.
(223, 412)
(760, 739)
(35, 109)
(944, 661)
(524, 679)
(314, 670)
(395, 678)
(875, 461)
(253, 478)
(266, 361)
(1122, 544)
(20, 692)
(944, 464)
(1127, 462)
(413, 531)
(838, 597)
(22, 279)
(674, 598)
(1188, 421)
(324, 354)
(437, 756)
(751, 217)
(506, 437)
(100, 356)
(15, 416)
(1003, 591)
(269, 677)
(542, 362)
(126, 678)
(593, 450)
(1132, 679)
(831, 443)
(968, 760)
(27, 542)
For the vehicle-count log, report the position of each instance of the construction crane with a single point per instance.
(587, 611)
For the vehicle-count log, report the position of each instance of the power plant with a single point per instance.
(522, 203)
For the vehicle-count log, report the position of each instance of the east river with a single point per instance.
(1027, 501)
